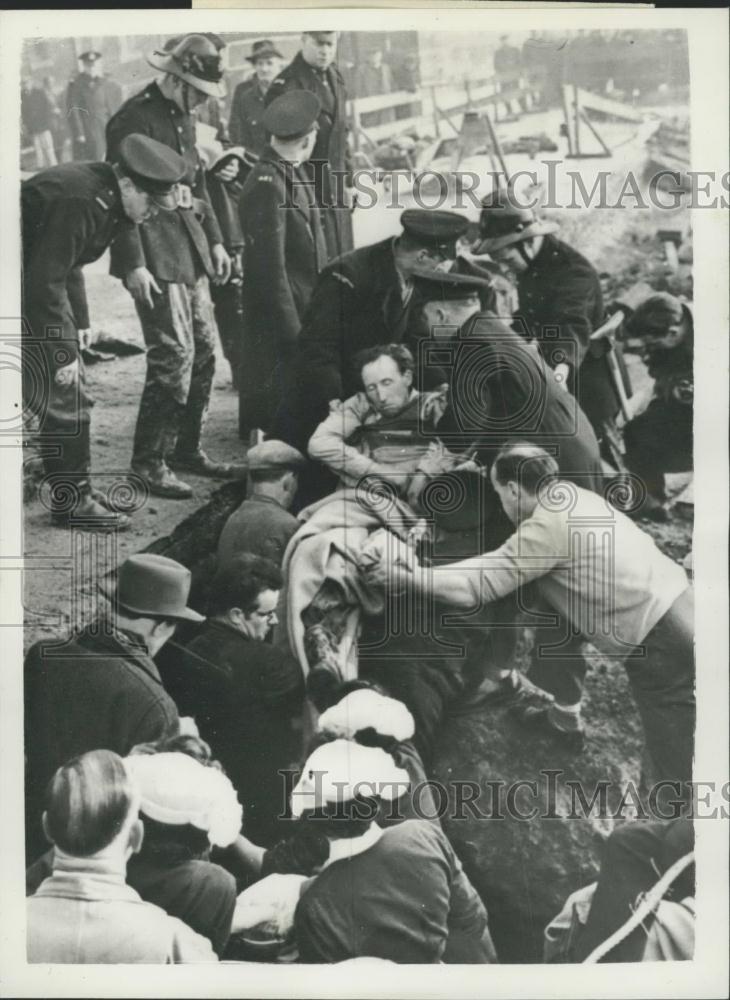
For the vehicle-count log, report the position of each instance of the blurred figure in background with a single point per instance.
(313, 68)
(91, 100)
(246, 126)
(37, 119)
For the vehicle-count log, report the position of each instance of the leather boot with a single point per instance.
(162, 482)
(88, 515)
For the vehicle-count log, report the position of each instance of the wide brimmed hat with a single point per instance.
(265, 49)
(155, 587)
(195, 60)
(503, 223)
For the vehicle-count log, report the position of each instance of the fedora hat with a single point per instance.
(265, 49)
(153, 586)
(194, 59)
(503, 223)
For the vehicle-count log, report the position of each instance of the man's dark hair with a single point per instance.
(238, 583)
(525, 464)
(400, 354)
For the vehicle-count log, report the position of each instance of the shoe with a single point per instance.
(522, 697)
(162, 482)
(514, 692)
(565, 727)
(88, 515)
(199, 463)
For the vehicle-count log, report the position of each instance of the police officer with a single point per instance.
(91, 100)
(313, 68)
(70, 215)
(284, 251)
(660, 439)
(165, 265)
(246, 123)
(560, 303)
(364, 298)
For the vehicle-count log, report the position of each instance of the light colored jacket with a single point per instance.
(94, 917)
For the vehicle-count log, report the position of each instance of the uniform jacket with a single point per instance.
(330, 151)
(174, 246)
(357, 303)
(247, 109)
(561, 303)
(70, 215)
(329, 86)
(91, 101)
(97, 690)
(284, 250)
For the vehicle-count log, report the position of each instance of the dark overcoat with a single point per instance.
(284, 251)
(100, 690)
(561, 305)
(330, 151)
(356, 304)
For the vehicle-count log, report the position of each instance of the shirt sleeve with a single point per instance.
(536, 548)
(329, 445)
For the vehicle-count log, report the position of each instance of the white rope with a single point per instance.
(650, 901)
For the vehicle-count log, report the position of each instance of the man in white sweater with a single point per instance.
(604, 577)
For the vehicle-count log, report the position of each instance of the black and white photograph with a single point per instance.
(364, 485)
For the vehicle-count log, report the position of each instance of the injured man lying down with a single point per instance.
(383, 446)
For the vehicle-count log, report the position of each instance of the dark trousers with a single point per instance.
(659, 440)
(663, 683)
(63, 419)
(228, 310)
(635, 856)
(180, 336)
(558, 663)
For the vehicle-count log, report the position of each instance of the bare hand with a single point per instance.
(84, 339)
(141, 284)
(68, 375)
(227, 173)
(221, 263)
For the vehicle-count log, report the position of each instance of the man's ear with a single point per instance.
(513, 489)
(408, 377)
(44, 822)
(136, 836)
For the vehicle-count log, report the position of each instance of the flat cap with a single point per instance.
(449, 284)
(274, 455)
(292, 115)
(153, 167)
(434, 228)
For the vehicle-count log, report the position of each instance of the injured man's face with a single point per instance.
(386, 386)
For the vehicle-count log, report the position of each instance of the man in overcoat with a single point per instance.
(91, 100)
(71, 214)
(246, 121)
(284, 251)
(313, 69)
(560, 303)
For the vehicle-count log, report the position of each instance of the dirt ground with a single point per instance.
(62, 571)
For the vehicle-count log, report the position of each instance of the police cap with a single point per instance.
(154, 167)
(292, 115)
(90, 57)
(436, 229)
(274, 455)
(448, 285)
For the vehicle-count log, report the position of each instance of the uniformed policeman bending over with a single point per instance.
(70, 215)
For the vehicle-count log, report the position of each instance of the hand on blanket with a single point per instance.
(394, 571)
